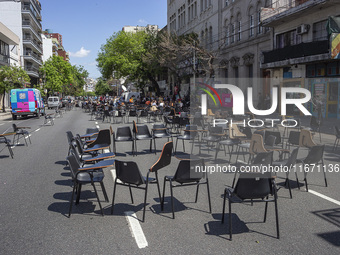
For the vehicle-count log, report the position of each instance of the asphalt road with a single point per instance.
(35, 189)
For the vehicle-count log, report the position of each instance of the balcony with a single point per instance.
(28, 40)
(302, 50)
(27, 25)
(34, 16)
(32, 71)
(29, 55)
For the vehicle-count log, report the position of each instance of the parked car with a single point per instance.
(53, 102)
(26, 102)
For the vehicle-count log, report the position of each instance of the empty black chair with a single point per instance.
(70, 140)
(337, 138)
(21, 131)
(252, 187)
(103, 141)
(214, 136)
(48, 119)
(141, 132)
(186, 175)
(315, 125)
(128, 174)
(160, 131)
(80, 177)
(190, 134)
(293, 139)
(123, 134)
(287, 165)
(314, 158)
(7, 142)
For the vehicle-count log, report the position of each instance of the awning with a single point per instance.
(333, 25)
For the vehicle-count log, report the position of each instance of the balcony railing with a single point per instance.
(33, 55)
(31, 40)
(296, 51)
(37, 18)
(31, 69)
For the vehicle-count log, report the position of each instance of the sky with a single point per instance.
(86, 24)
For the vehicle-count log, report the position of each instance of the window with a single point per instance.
(287, 39)
(259, 25)
(236, 72)
(4, 48)
(239, 30)
(232, 33)
(181, 16)
(250, 71)
(192, 9)
(173, 22)
(320, 31)
(251, 25)
(227, 34)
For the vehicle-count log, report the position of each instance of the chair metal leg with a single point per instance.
(230, 221)
(113, 196)
(104, 192)
(198, 185)
(172, 200)
(162, 201)
(78, 193)
(277, 218)
(131, 194)
(95, 191)
(71, 201)
(223, 209)
(176, 145)
(145, 196)
(265, 212)
(209, 201)
(158, 188)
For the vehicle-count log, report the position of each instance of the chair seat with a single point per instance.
(85, 177)
(162, 135)
(244, 145)
(97, 147)
(143, 137)
(228, 142)
(123, 139)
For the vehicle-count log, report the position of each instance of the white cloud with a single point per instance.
(80, 53)
(142, 22)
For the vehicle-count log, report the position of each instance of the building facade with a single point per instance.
(57, 44)
(301, 50)
(233, 30)
(24, 19)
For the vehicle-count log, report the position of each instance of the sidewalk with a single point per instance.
(5, 115)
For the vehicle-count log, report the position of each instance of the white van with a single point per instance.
(127, 95)
(53, 102)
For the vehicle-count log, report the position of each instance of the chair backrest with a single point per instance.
(74, 152)
(337, 130)
(314, 123)
(306, 139)
(70, 137)
(190, 134)
(264, 158)
(123, 132)
(74, 165)
(292, 158)
(164, 159)
(294, 137)
(253, 186)
(186, 171)
(247, 131)
(142, 130)
(92, 130)
(79, 145)
(270, 140)
(159, 129)
(128, 172)
(315, 155)
(103, 137)
(277, 135)
(15, 129)
(256, 144)
(234, 132)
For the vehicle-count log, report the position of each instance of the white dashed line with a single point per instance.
(324, 197)
(136, 229)
(37, 130)
(2, 124)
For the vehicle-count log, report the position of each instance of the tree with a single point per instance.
(124, 55)
(79, 74)
(11, 77)
(102, 88)
(57, 74)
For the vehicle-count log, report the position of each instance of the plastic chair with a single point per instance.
(314, 158)
(123, 134)
(186, 175)
(252, 187)
(141, 132)
(190, 134)
(20, 131)
(337, 138)
(80, 177)
(7, 142)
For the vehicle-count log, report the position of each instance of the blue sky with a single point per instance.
(86, 24)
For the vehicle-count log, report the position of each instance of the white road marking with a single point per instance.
(2, 124)
(97, 127)
(324, 197)
(96, 123)
(37, 130)
(136, 229)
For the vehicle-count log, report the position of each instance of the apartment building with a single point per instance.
(24, 19)
(9, 47)
(233, 30)
(57, 44)
(301, 49)
(134, 29)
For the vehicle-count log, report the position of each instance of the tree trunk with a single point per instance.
(154, 84)
(3, 102)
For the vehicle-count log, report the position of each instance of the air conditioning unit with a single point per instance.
(302, 29)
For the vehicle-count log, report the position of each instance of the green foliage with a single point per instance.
(61, 76)
(11, 77)
(102, 88)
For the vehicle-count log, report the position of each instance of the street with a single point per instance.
(36, 187)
